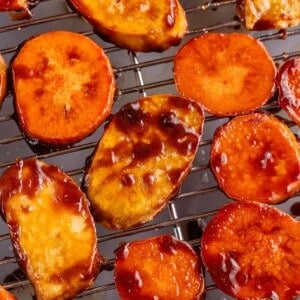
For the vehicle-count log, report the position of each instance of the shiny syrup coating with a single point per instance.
(161, 267)
(288, 83)
(250, 249)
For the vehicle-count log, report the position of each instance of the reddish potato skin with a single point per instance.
(160, 267)
(252, 251)
(288, 83)
(3, 79)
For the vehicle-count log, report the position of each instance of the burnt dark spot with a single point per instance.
(263, 25)
(39, 92)
(143, 151)
(128, 180)
(295, 209)
(175, 175)
(23, 72)
(74, 55)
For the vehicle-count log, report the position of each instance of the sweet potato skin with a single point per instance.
(61, 80)
(160, 267)
(288, 82)
(38, 200)
(252, 251)
(221, 71)
(3, 79)
(256, 157)
(143, 156)
(136, 25)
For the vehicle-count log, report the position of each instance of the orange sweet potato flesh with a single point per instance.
(6, 295)
(256, 157)
(228, 74)
(160, 267)
(64, 87)
(49, 222)
(288, 83)
(252, 251)
(3, 79)
(137, 25)
(144, 155)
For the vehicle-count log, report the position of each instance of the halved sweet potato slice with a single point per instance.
(3, 79)
(64, 87)
(49, 221)
(228, 74)
(256, 157)
(161, 267)
(143, 156)
(137, 25)
(252, 251)
(288, 83)
(6, 295)
(268, 14)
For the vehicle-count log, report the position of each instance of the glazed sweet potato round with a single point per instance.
(64, 87)
(288, 83)
(161, 267)
(251, 251)
(136, 25)
(256, 157)
(228, 74)
(3, 79)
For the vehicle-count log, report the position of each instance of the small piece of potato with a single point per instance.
(138, 25)
(6, 295)
(161, 267)
(3, 79)
(51, 228)
(251, 251)
(229, 74)
(288, 83)
(269, 14)
(256, 157)
(145, 153)
(64, 87)
(13, 5)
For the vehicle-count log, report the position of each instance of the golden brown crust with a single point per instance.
(3, 79)
(143, 156)
(256, 157)
(161, 267)
(62, 80)
(39, 200)
(222, 70)
(138, 25)
(251, 250)
(269, 14)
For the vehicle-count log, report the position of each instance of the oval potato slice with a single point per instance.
(222, 71)
(256, 157)
(64, 87)
(49, 221)
(3, 79)
(138, 25)
(160, 267)
(143, 156)
(251, 251)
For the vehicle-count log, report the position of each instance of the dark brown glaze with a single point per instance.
(249, 250)
(264, 25)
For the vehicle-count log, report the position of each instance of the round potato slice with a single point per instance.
(229, 74)
(49, 220)
(288, 82)
(3, 79)
(64, 87)
(256, 157)
(137, 25)
(251, 251)
(161, 267)
(142, 158)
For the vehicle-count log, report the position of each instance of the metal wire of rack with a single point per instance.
(137, 74)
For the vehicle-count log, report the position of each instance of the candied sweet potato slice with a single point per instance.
(160, 267)
(222, 71)
(6, 295)
(64, 87)
(269, 14)
(256, 157)
(3, 79)
(49, 220)
(143, 156)
(137, 25)
(288, 83)
(252, 251)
